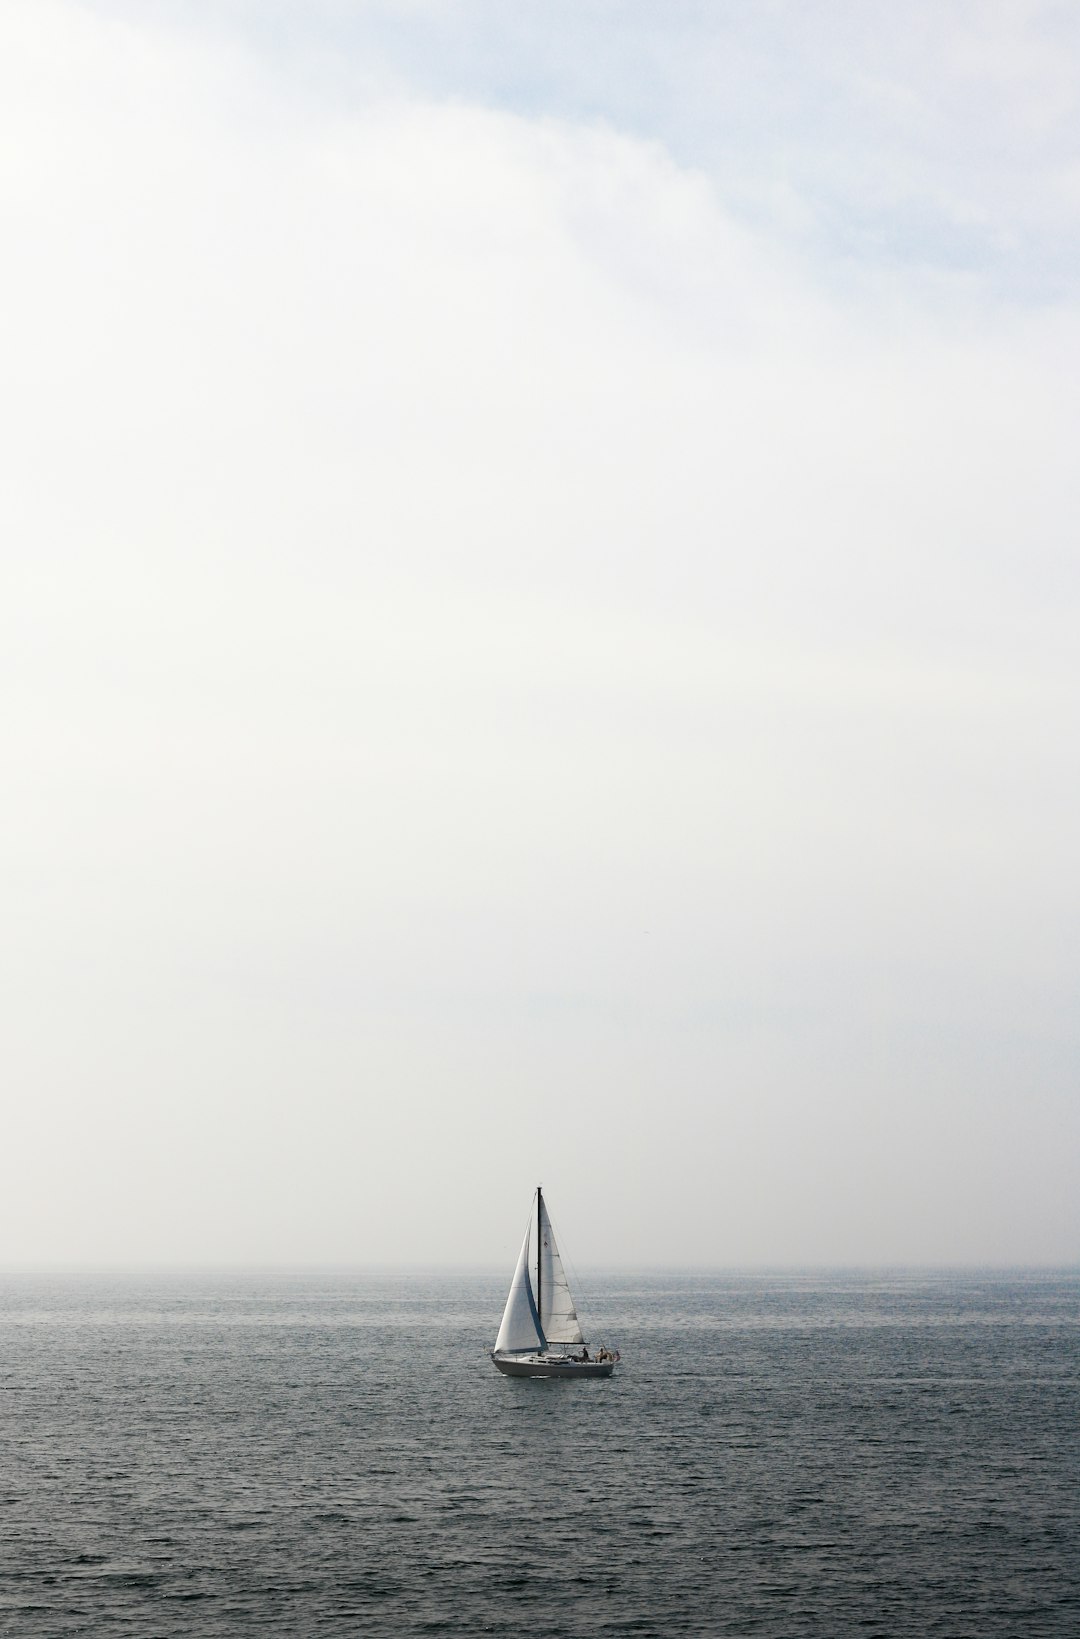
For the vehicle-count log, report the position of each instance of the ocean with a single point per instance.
(332, 1453)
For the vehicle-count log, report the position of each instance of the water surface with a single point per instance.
(332, 1453)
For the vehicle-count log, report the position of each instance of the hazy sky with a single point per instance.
(539, 604)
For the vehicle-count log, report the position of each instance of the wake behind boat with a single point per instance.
(533, 1322)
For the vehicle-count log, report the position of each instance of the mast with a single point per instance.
(539, 1253)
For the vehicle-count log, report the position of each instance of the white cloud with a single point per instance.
(479, 620)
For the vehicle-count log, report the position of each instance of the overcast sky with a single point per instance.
(539, 603)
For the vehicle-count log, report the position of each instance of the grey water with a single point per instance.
(332, 1453)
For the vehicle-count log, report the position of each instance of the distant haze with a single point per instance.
(539, 631)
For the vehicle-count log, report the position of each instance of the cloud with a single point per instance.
(481, 615)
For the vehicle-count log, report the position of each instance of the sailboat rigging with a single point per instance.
(537, 1327)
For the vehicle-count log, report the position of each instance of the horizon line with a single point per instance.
(263, 1265)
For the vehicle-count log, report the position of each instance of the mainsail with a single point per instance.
(521, 1331)
(558, 1317)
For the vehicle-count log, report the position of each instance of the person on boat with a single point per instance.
(584, 1352)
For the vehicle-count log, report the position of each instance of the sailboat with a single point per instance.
(535, 1321)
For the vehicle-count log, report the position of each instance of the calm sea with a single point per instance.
(333, 1454)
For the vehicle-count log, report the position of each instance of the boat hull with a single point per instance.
(552, 1365)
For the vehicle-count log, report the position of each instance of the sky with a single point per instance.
(538, 610)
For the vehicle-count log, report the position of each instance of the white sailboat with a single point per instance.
(539, 1326)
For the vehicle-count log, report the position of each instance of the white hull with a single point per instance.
(550, 1365)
